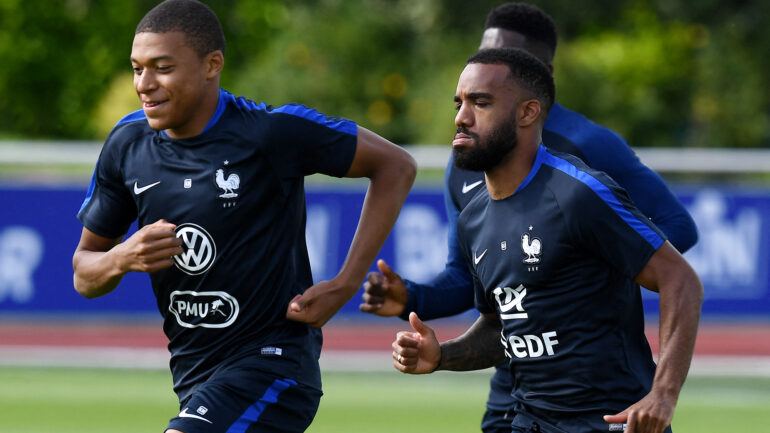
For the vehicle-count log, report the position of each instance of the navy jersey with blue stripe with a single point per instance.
(236, 194)
(569, 132)
(603, 150)
(556, 260)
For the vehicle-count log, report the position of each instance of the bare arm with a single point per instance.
(681, 295)
(391, 171)
(420, 352)
(479, 347)
(100, 263)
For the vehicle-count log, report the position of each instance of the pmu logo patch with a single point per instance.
(203, 309)
(200, 251)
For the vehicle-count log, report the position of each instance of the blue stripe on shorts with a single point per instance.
(252, 413)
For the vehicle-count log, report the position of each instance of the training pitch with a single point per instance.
(64, 400)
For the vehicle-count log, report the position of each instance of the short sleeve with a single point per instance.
(108, 209)
(308, 142)
(610, 225)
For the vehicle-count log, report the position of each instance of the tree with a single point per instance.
(663, 73)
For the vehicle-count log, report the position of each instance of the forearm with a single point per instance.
(96, 273)
(478, 348)
(451, 291)
(448, 294)
(387, 192)
(680, 305)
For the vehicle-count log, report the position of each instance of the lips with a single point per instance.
(149, 105)
(462, 140)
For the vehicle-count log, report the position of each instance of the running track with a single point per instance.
(731, 348)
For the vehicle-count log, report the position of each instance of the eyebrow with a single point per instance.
(154, 59)
(475, 95)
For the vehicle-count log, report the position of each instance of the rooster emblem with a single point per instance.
(531, 249)
(230, 184)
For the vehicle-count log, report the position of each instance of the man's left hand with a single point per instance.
(652, 414)
(319, 303)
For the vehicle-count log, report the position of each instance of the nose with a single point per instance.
(145, 82)
(464, 116)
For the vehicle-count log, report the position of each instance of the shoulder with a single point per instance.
(573, 181)
(292, 114)
(128, 130)
(582, 131)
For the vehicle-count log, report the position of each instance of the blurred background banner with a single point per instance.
(684, 82)
(39, 231)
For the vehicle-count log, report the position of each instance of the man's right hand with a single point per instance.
(100, 263)
(417, 352)
(384, 292)
(150, 249)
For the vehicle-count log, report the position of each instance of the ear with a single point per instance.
(214, 62)
(528, 113)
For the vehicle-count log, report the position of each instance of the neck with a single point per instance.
(506, 177)
(206, 109)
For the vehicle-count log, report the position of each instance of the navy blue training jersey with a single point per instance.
(603, 150)
(556, 260)
(236, 194)
(564, 131)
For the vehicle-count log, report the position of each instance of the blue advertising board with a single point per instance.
(39, 231)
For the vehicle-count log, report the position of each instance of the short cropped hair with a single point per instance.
(526, 19)
(527, 71)
(198, 22)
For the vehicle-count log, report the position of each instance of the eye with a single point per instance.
(164, 68)
(137, 70)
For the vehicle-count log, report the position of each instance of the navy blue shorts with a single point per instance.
(244, 400)
(531, 420)
(497, 421)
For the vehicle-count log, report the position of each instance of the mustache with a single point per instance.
(464, 130)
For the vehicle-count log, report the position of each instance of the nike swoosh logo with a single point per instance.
(184, 414)
(138, 190)
(467, 187)
(477, 259)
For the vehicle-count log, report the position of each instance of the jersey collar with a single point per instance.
(221, 104)
(535, 168)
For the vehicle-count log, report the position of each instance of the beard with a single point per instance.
(484, 156)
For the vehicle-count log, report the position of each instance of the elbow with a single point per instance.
(696, 289)
(78, 282)
(88, 289)
(408, 167)
(699, 293)
(400, 172)
(83, 289)
(88, 294)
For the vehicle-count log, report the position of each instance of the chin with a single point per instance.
(157, 124)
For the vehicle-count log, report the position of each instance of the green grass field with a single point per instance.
(64, 400)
